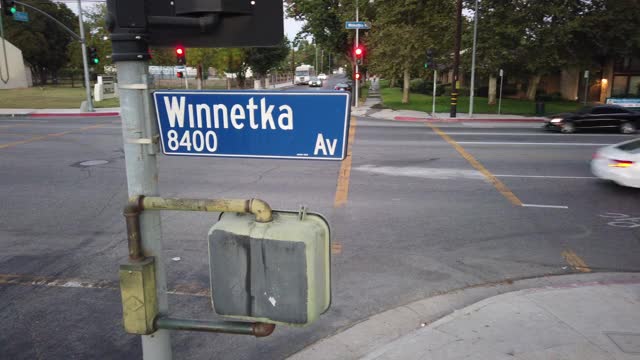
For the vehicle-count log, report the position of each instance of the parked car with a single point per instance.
(601, 116)
(619, 163)
(322, 76)
(342, 87)
(315, 82)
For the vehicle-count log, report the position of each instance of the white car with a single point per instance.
(322, 77)
(619, 163)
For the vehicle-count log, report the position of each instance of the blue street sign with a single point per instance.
(357, 25)
(254, 124)
(21, 16)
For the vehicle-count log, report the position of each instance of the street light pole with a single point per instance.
(85, 63)
(473, 60)
(456, 60)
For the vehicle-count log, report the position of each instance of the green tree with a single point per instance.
(261, 60)
(232, 61)
(402, 33)
(42, 41)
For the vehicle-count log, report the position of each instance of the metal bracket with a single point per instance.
(144, 141)
(134, 87)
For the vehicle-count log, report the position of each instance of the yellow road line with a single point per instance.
(575, 261)
(342, 188)
(42, 137)
(499, 185)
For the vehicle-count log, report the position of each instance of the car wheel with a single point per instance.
(628, 128)
(568, 128)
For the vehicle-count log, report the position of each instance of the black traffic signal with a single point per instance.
(9, 7)
(429, 62)
(181, 58)
(93, 56)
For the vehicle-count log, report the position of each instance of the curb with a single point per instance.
(458, 120)
(51, 115)
(83, 114)
(373, 333)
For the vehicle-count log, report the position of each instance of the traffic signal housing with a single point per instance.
(358, 53)
(181, 53)
(357, 76)
(180, 74)
(428, 62)
(93, 56)
(9, 7)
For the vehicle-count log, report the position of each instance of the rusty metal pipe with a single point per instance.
(259, 208)
(228, 327)
(132, 217)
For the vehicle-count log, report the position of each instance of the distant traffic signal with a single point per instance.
(93, 56)
(9, 7)
(358, 52)
(180, 74)
(357, 76)
(181, 55)
(429, 59)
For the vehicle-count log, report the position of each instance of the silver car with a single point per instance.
(314, 81)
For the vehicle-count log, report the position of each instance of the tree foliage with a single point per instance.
(42, 41)
(261, 60)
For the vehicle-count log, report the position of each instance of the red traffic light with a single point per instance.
(357, 76)
(181, 55)
(180, 74)
(358, 51)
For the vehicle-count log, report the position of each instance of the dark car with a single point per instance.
(597, 117)
(342, 87)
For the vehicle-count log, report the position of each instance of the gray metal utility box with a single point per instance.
(275, 272)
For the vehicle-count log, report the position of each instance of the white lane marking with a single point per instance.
(546, 176)
(425, 173)
(546, 206)
(622, 220)
(528, 143)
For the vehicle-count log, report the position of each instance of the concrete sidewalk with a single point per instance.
(372, 108)
(573, 317)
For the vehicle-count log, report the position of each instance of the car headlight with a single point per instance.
(556, 120)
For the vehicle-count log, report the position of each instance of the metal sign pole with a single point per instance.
(586, 86)
(357, 81)
(435, 81)
(500, 98)
(142, 179)
(85, 63)
(473, 61)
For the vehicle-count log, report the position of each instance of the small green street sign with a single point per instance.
(19, 15)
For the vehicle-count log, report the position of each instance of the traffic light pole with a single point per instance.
(142, 179)
(85, 63)
(80, 38)
(357, 81)
(456, 60)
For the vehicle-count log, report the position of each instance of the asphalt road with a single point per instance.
(423, 215)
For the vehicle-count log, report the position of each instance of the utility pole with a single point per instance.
(142, 179)
(456, 60)
(473, 59)
(85, 63)
(357, 82)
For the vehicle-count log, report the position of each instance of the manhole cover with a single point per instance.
(93, 162)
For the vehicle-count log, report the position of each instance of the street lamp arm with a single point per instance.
(75, 36)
